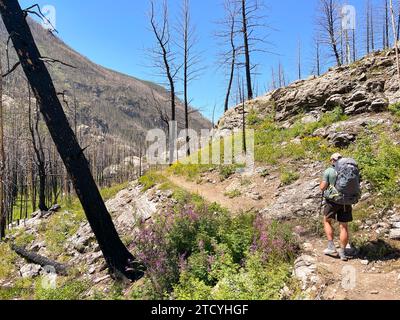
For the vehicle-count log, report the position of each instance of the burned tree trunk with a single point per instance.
(119, 259)
(3, 216)
(32, 257)
(39, 153)
(246, 50)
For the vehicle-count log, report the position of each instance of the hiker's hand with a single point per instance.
(323, 186)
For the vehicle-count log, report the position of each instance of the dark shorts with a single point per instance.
(338, 212)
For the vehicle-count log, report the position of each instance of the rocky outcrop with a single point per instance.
(305, 270)
(342, 134)
(300, 199)
(366, 86)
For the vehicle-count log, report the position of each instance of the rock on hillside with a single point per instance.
(368, 85)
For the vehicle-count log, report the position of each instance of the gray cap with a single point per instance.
(336, 156)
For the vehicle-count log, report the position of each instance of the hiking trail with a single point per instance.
(355, 279)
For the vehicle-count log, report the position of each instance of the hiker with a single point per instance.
(341, 189)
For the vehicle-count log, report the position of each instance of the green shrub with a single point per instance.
(256, 281)
(190, 250)
(273, 143)
(225, 171)
(111, 192)
(70, 290)
(395, 109)
(253, 118)
(58, 229)
(379, 163)
(24, 239)
(150, 179)
(7, 260)
(288, 176)
(233, 194)
(191, 288)
(22, 289)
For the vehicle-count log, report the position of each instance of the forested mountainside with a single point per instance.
(116, 104)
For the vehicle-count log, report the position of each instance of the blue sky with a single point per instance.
(116, 35)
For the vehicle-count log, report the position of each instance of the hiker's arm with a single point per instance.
(325, 181)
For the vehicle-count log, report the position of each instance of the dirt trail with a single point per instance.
(375, 281)
(354, 279)
(216, 192)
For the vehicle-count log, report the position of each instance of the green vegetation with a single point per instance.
(225, 171)
(21, 289)
(197, 250)
(189, 171)
(150, 179)
(68, 290)
(379, 160)
(374, 250)
(233, 194)
(272, 143)
(395, 109)
(288, 176)
(7, 260)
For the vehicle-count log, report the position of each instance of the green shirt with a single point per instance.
(330, 176)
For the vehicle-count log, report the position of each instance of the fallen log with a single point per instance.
(32, 257)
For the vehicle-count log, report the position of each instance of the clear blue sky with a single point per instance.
(115, 34)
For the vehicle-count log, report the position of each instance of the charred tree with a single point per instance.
(120, 261)
(40, 158)
(3, 215)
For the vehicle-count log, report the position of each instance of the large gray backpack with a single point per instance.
(347, 182)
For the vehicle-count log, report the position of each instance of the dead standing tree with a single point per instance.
(329, 24)
(228, 34)
(190, 60)
(40, 158)
(164, 61)
(396, 45)
(120, 261)
(3, 215)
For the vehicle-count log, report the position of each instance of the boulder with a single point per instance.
(30, 270)
(394, 234)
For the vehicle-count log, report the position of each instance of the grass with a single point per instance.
(273, 144)
(378, 156)
(8, 257)
(68, 289)
(288, 176)
(150, 179)
(395, 109)
(233, 194)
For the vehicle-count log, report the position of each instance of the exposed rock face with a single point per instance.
(30, 270)
(305, 269)
(342, 133)
(127, 208)
(300, 199)
(367, 86)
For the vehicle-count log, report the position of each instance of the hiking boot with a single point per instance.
(350, 251)
(331, 250)
(342, 254)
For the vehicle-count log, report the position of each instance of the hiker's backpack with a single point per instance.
(347, 182)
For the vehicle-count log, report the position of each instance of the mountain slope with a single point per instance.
(117, 104)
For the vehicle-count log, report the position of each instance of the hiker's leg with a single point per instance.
(344, 235)
(329, 231)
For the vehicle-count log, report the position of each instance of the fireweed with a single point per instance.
(207, 243)
(273, 240)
